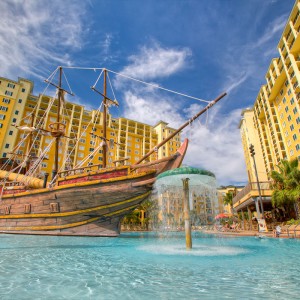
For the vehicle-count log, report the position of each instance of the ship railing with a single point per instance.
(82, 170)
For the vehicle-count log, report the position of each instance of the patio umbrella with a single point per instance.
(222, 216)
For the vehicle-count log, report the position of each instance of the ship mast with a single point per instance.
(104, 147)
(181, 127)
(29, 145)
(57, 138)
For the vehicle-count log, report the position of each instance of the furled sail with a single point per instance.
(32, 182)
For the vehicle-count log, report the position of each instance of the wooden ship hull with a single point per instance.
(91, 203)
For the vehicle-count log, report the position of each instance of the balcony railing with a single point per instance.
(251, 186)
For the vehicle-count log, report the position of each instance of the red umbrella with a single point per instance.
(222, 216)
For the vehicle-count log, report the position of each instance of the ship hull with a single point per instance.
(83, 205)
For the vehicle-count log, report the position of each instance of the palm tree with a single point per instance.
(286, 185)
(228, 199)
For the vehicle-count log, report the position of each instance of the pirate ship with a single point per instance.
(88, 200)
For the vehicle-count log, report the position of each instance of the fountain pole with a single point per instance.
(187, 219)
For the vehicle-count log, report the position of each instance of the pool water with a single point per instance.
(148, 266)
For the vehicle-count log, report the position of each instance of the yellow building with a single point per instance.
(129, 140)
(250, 137)
(273, 126)
(13, 96)
(222, 191)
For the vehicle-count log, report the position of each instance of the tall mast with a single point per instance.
(28, 156)
(181, 127)
(57, 138)
(104, 119)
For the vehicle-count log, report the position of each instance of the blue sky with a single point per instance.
(197, 47)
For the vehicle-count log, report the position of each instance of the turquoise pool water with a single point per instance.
(148, 266)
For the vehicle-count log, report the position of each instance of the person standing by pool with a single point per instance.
(277, 231)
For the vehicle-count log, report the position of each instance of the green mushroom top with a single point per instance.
(186, 170)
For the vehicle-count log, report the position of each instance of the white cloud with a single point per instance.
(35, 35)
(156, 62)
(218, 148)
(150, 108)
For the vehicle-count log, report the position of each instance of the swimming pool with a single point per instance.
(148, 266)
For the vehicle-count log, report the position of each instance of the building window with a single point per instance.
(1, 125)
(297, 147)
(23, 90)
(6, 146)
(20, 101)
(16, 112)
(100, 158)
(284, 100)
(14, 120)
(295, 110)
(289, 118)
(11, 85)
(8, 93)
(4, 108)
(292, 101)
(91, 149)
(292, 127)
(291, 152)
(295, 137)
(286, 109)
(10, 132)
(286, 83)
(4, 155)
(2, 117)
(5, 100)
(298, 120)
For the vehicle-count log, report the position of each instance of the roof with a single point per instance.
(186, 170)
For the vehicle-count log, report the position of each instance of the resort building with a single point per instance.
(222, 192)
(272, 126)
(13, 99)
(203, 198)
(129, 140)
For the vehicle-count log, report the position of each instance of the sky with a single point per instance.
(195, 47)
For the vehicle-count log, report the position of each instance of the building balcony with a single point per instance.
(249, 193)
